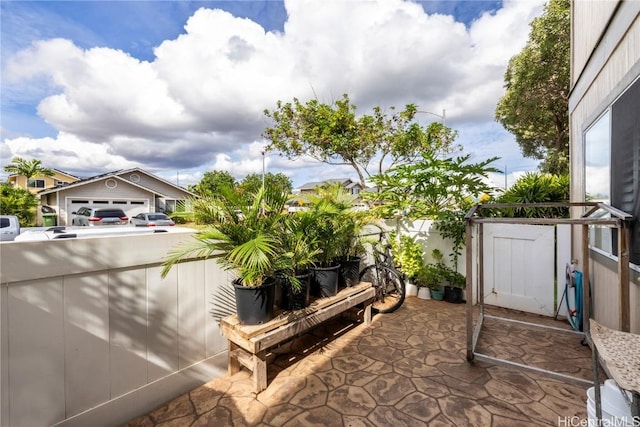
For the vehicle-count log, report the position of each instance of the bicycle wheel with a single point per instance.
(389, 287)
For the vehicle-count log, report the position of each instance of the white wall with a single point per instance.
(91, 335)
(424, 232)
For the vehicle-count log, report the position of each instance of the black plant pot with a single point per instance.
(254, 304)
(349, 271)
(453, 294)
(292, 299)
(324, 281)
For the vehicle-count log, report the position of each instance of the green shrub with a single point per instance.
(407, 254)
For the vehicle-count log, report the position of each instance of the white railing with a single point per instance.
(91, 335)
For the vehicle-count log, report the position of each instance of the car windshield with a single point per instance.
(108, 213)
(156, 217)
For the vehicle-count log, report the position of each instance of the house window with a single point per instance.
(597, 141)
(35, 183)
(625, 161)
(612, 168)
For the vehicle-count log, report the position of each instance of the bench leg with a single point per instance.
(367, 313)
(233, 366)
(260, 371)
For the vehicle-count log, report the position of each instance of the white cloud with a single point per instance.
(200, 102)
(71, 154)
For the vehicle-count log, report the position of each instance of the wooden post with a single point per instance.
(623, 277)
(469, 293)
(586, 301)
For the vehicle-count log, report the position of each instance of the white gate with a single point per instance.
(519, 266)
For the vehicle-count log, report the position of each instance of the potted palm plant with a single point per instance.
(246, 237)
(300, 250)
(326, 222)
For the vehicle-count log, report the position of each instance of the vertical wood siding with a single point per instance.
(602, 71)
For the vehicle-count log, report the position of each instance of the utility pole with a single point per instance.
(505, 177)
(263, 152)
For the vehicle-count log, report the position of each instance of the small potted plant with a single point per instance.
(428, 278)
(437, 286)
(407, 254)
(457, 283)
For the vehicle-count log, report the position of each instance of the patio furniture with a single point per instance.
(620, 354)
(249, 344)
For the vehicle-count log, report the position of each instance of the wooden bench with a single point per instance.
(248, 344)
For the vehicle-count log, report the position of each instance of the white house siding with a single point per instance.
(99, 191)
(599, 74)
(588, 25)
(99, 340)
(168, 190)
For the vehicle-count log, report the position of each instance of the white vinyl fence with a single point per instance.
(91, 335)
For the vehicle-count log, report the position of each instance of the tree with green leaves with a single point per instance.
(28, 168)
(252, 182)
(430, 186)
(334, 134)
(535, 106)
(19, 202)
(212, 182)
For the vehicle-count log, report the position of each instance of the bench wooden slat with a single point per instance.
(249, 331)
(248, 344)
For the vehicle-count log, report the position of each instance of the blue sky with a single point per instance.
(178, 87)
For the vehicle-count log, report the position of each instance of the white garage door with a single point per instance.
(130, 207)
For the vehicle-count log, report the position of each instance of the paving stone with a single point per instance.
(205, 398)
(351, 400)
(177, 408)
(317, 417)
(389, 389)
(277, 415)
(313, 395)
(420, 406)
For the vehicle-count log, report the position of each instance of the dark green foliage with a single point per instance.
(211, 183)
(535, 105)
(252, 182)
(536, 187)
(19, 202)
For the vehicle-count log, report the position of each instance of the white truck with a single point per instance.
(9, 228)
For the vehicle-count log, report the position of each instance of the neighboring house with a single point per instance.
(353, 187)
(40, 183)
(604, 108)
(132, 190)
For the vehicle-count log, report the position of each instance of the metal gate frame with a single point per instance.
(474, 220)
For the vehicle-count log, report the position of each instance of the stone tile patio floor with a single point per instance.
(407, 368)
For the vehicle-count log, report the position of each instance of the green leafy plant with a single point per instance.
(407, 253)
(537, 187)
(430, 275)
(429, 186)
(332, 224)
(244, 238)
(19, 202)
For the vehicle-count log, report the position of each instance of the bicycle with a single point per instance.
(384, 277)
